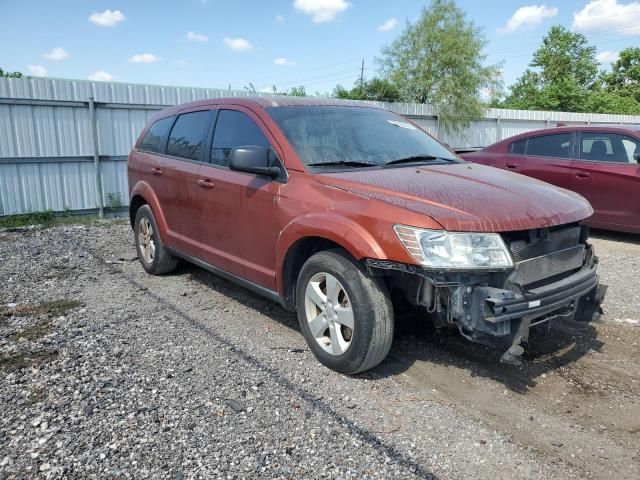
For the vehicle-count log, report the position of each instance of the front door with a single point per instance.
(238, 221)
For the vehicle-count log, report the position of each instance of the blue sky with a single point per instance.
(315, 43)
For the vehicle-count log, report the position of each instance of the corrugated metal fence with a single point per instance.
(48, 155)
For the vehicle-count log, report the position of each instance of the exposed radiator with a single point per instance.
(546, 254)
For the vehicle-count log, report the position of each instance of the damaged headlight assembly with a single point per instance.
(439, 249)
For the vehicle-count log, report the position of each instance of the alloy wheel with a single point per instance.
(329, 313)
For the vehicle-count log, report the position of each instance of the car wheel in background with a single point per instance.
(152, 254)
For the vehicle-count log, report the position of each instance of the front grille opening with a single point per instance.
(547, 255)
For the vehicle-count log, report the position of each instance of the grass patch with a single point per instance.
(32, 333)
(53, 308)
(46, 219)
(23, 360)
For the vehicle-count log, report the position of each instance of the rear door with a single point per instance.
(545, 157)
(178, 173)
(607, 174)
(238, 225)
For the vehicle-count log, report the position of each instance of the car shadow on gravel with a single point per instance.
(550, 347)
(241, 295)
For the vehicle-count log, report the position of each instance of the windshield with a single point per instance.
(354, 136)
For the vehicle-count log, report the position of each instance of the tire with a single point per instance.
(336, 345)
(153, 255)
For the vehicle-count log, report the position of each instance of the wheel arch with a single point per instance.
(143, 194)
(311, 234)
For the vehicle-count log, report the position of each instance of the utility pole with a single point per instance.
(362, 77)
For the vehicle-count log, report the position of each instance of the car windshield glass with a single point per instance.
(354, 137)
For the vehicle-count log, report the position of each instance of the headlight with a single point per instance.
(459, 251)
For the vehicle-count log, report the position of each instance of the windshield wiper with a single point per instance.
(346, 163)
(417, 158)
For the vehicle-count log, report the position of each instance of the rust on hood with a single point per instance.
(467, 197)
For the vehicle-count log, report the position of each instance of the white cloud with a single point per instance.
(108, 18)
(321, 10)
(144, 58)
(37, 70)
(529, 16)
(238, 44)
(280, 18)
(101, 76)
(388, 25)
(197, 37)
(56, 54)
(283, 62)
(608, 16)
(607, 57)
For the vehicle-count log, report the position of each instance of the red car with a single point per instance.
(600, 162)
(333, 209)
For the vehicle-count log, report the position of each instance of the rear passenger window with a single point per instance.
(518, 148)
(156, 136)
(189, 134)
(234, 129)
(557, 145)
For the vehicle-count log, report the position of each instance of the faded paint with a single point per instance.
(466, 197)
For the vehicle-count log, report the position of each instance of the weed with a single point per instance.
(114, 201)
(46, 219)
(43, 219)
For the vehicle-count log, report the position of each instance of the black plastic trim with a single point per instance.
(254, 287)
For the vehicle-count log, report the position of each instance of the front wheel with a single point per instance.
(345, 315)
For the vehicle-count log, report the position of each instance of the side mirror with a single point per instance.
(253, 159)
(636, 157)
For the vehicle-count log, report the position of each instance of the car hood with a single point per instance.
(466, 196)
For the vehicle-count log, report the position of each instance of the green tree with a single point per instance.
(562, 76)
(624, 78)
(376, 89)
(298, 91)
(439, 60)
(10, 74)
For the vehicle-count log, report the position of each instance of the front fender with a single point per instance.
(345, 232)
(144, 190)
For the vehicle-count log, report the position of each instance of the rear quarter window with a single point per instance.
(519, 147)
(155, 138)
(188, 134)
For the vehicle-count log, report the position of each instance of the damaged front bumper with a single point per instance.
(495, 308)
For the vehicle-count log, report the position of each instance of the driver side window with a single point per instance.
(234, 129)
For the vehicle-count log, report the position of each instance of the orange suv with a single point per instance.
(329, 208)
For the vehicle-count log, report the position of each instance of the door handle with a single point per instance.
(156, 171)
(205, 183)
(511, 165)
(582, 175)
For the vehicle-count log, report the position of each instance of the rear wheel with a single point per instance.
(152, 254)
(345, 315)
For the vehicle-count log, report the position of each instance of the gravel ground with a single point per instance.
(107, 372)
